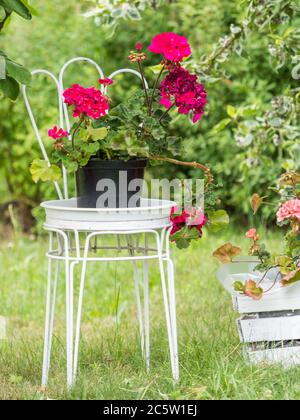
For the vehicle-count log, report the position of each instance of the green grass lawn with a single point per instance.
(211, 362)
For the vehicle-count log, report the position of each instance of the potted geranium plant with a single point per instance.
(286, 262)
(265, 285)
(107, 139)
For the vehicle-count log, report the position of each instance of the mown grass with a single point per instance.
(212, 366)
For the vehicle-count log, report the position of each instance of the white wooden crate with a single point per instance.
(288, 354)
(269, 328)
(273, 327)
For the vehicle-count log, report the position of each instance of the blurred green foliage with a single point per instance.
(247, 54)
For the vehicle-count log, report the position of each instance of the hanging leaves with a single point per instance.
(10, 88)
(11, 73)
(227, 252)
(16, 6)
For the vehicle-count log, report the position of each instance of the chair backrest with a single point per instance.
(64, 118)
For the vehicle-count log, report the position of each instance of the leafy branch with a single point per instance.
(14, 73)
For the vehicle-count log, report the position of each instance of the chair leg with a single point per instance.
(138, 295)
(69, 326)
(147, 306)
(47, 328)
(50, 313)
(172, 298)
(166, 303)
(79, 311)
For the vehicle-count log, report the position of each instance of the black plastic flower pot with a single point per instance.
(110, 183)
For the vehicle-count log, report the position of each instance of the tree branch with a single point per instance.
(195, 165)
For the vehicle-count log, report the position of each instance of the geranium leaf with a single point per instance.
(253, 291)
(256, 202)
(41, 171)
(218, 220)
(239, 287)
(291, 277)
(227, 252)
(97, 133)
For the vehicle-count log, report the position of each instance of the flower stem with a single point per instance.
(166, 113)
(76, 131)
(155, 86)
(196, 165)
(144, 85)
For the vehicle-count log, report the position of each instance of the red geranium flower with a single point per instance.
(106, 82)
(182, 89)
(57, 133)
(194, 218)
(172, 46)
(86, 101)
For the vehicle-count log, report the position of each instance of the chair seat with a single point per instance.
(64, 214)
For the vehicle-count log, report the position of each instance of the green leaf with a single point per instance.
(231, 111)
(2, 67)
(219, 220)
(221, 126)
(239, 286)
(97, 133)
(16, 6)
(187, 233)
(174, 145)
(288, 32)
(10, 88)
(90, 148)
(156, 69)
(2, 14)
(31, 9)
(253, 291)
(182, 243)
(41, 171)
(291, 278)
(18, 72)
(83, 134)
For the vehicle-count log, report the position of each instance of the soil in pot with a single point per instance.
(110, 183)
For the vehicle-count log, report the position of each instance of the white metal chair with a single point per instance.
(73, 234)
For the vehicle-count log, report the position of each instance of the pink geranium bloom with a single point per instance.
(86, 102)
(289, 210)
(181, 88)
(57, 133)
(106, 82)
(172, 46)
(252, 234)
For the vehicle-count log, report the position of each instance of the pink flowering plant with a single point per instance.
(287, 262)
(138, 128)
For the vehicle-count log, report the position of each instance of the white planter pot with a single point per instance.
(269, 328)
